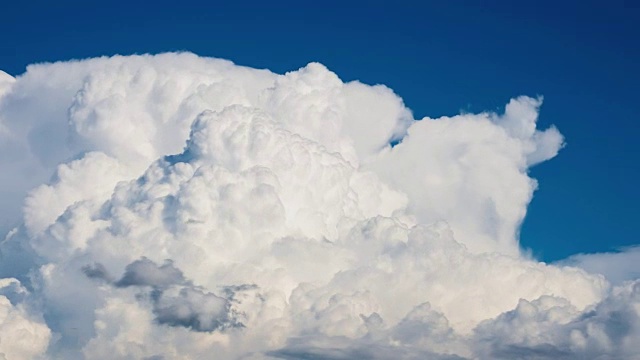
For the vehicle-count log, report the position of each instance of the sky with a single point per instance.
(335, 181)
(441, 58)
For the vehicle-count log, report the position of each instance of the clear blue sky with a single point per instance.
(441, 57)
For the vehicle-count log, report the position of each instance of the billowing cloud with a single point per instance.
(550, 328)
(23, 334)
(471, 170)
(175, 207)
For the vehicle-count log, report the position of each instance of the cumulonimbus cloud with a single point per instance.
(173, 206)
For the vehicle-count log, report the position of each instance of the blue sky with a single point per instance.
(582, 56)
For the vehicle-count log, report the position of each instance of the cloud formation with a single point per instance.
(618, 266)
(174, 206)
(23, 335)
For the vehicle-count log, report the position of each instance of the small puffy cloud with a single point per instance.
(293, 228)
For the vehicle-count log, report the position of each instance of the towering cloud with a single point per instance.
(178, 207)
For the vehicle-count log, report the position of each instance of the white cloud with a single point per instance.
(617, 267)
(550, 328)
(199, 207)
(471, 171)
(23, 335)
(6, 81)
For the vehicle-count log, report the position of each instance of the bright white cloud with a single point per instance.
(173, 206)
(471, 171)
(617, 267)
